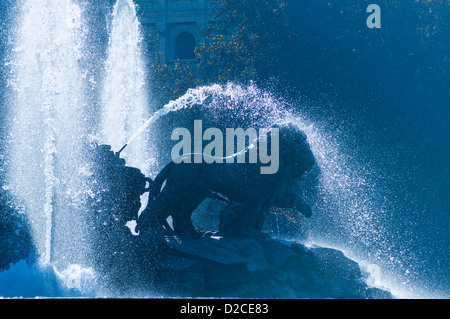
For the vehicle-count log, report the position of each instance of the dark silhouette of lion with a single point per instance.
(248, 193)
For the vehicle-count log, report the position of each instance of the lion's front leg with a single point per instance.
(241, 219)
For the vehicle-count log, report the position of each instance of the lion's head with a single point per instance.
(296, 157)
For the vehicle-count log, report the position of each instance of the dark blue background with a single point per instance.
(389, 91)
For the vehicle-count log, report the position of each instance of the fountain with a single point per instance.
(47, 126)
(124, 96)
(51, 123)
(49, 133)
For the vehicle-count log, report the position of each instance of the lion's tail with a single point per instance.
(155, 188)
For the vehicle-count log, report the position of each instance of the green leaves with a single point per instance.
(248, 43)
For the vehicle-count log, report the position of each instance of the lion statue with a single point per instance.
(179, 188)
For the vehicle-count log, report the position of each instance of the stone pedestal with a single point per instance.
(253, 268)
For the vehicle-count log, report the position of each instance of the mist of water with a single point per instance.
(46, 129)
(348, 198)
(50, 121)
(48, 134)
(124, 95)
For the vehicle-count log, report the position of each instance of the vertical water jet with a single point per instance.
(46, 129)
(124, 95)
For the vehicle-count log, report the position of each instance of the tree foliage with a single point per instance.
(251, 40)
(316, 46)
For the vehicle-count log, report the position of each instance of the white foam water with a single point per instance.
(46, 130)
(124, 95)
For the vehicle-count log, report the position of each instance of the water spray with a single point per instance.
(150, 120)
(139, 131)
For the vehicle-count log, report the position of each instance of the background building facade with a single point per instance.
(174, 27)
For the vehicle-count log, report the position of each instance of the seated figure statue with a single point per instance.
(115, 190)
(248, 193)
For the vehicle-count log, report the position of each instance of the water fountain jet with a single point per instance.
(46, 137)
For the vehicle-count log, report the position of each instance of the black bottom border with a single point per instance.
(221, 308)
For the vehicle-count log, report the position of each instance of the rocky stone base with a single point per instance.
(253, 268)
